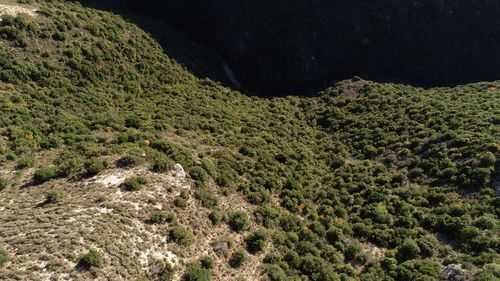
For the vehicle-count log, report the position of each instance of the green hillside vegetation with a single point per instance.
(366, 181)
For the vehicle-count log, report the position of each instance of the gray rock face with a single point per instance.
(455, 272)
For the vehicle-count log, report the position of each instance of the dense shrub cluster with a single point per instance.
(361, 169)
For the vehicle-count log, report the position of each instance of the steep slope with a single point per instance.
(110, 145)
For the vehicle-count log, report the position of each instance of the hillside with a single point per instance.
(118, 163)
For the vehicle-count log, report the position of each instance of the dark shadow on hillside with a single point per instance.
(300, 47)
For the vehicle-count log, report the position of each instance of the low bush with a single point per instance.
(26, 162)
(181, 236)
(163, 164)
(135, 183)
(207, 198)
(195, 272)
(92, 258)
(93, 166)
(198, 174)
(45, 174)
(54, 196)
(207, 262)
(275, 273)
(256, 241)
(238, 258)
(131, 160)
(159, 217)
(216, 217)
(408, 250)
(4, 256)
(182, 200)
(238, 221)
(3, 183)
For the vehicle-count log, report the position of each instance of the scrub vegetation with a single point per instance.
(365, 181)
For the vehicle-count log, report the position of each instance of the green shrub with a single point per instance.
(135, 183)
(415, 173)
(207, 262)
(180, 202)
(352, 250)
(267, 215)
(209, 166)
(92, 258)
(45, 174)
(489, 272)
(208, 198)
(54, 196)
(484, 222)
(408, 250)
(163, 164)
(216, 217)
(181, 236)
(131, 160)
(275, 273)
(370, 151)
(59, 36)
(238, 258)
(159, 217)
(3, 183)
(256, 241)
(195, 272)
(198, 174)
(238, 221)
(26, 162)
(133, 122)
(4, 256)
(93, 166)
(167, 273)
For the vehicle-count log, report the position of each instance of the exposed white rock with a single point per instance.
(455, 272)
(13, 10)
(111, 180)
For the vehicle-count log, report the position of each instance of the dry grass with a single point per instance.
(47, 240)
